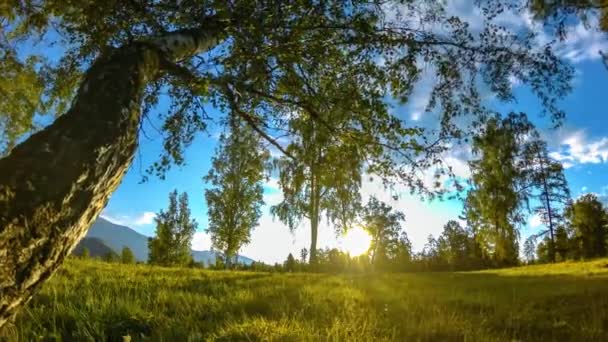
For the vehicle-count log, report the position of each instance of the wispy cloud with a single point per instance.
(577, 148)
(142, 219)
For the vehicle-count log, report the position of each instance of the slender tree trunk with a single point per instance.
(314, 219)
(548, 206)
(55, 184)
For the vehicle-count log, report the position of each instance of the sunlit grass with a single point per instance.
(88, 300)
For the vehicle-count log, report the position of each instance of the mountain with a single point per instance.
(97, 248)
(116, 237)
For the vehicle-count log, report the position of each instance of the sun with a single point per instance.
(356, 241)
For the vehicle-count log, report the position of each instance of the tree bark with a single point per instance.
(55, 184)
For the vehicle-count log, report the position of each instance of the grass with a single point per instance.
(95, 301)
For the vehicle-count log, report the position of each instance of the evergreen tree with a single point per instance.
(126, 256)
(174, 232)
(236, 195)
(258, 60)
(547, 175)
(588, 219)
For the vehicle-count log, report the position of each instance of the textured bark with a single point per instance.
(55, 184)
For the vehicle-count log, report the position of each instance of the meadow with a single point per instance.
(89, 300)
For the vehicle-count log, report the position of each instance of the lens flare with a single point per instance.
(356, 241)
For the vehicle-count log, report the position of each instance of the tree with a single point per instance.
(109, 257)
(85, 253)
(384, 226)
(321, 176)
(563, 15)
(241, 55)
(588, 219)
(563, 243)
(174, 231)
(403, 253)
(530, 249)
(126, 256)
(234, 202)
(453, 245)
(547, 175)
(303, 255)
(290, 263)
(559, 13)
(498, 182)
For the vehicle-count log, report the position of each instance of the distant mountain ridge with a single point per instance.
(116, 237)
(97, 248)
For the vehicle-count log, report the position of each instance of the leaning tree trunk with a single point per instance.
(55, 184)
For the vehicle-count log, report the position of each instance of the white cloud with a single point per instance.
(201, 241)
(112, 218)
(143, 219)
(583, 189)
(583, 43)
(577, 148)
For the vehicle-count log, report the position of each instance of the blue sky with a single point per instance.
(581, 144)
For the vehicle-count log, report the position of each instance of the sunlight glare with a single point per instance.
(356, 241)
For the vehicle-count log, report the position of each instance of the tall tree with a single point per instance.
(530, 249)
(498, 182)
(236, 176)
(384, 226)
(547, 176)
(243, 55)
(589, 221)
(321, 176)
(174, 232)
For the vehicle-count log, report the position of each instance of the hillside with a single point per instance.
(116, 237)
(97, 248)
(563, 302)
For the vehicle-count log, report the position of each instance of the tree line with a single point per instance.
(512, 177)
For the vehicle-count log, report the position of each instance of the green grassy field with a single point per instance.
(89, 300)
